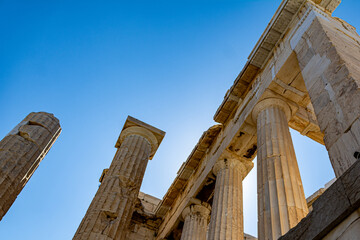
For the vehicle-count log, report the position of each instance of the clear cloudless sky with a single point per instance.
(92, 63)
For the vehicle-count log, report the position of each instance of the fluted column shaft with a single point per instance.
(21, 152)
(110, 212)
(227, 209)
(196, 218)
(281, 199)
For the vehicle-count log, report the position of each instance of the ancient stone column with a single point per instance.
(196, 218)
(227, 209)
(21, 152)
(110, 212)
(281, 199)
(328, 51)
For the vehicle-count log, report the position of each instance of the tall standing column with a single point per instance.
(281, 198)
(110, 212)
(196, 218)
(21, 152)
(227, 209)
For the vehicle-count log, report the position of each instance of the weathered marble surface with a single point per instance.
(196, 219)
(144, 222)
(21, 152)
(109, 214)
(337, 207)
(281, 198)
(328, 51)
(227, 208)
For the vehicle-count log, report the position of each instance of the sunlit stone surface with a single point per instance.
(21, 152)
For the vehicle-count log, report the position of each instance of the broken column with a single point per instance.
(328, 51)
(196, 219)
(281, 198)
(21, 152)
(227, 208)
(110, 212)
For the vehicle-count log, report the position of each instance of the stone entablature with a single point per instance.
(276, 75)
(188, 168)
(239, 134)
(263, 51)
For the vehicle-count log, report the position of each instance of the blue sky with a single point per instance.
(92, 63)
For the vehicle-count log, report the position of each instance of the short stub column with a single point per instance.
(110, 212)
(281, 198)
(227, 209)
(196, 219)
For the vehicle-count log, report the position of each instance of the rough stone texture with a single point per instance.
(335, 208)
(329, 57)
(109, 214)
(112, 205)
(281, 198)
(196, 218)
(144, 223)
(21, 152)
(227, 208)
(347, 230)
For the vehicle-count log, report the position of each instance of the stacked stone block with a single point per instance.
(329, 58)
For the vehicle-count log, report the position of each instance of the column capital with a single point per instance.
(196, 209)
(134, 126)
(268, 102)
(232, 162)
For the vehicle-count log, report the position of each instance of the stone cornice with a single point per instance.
(188, 168)
(328, 5)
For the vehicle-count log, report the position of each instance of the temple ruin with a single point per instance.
(303, 73)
